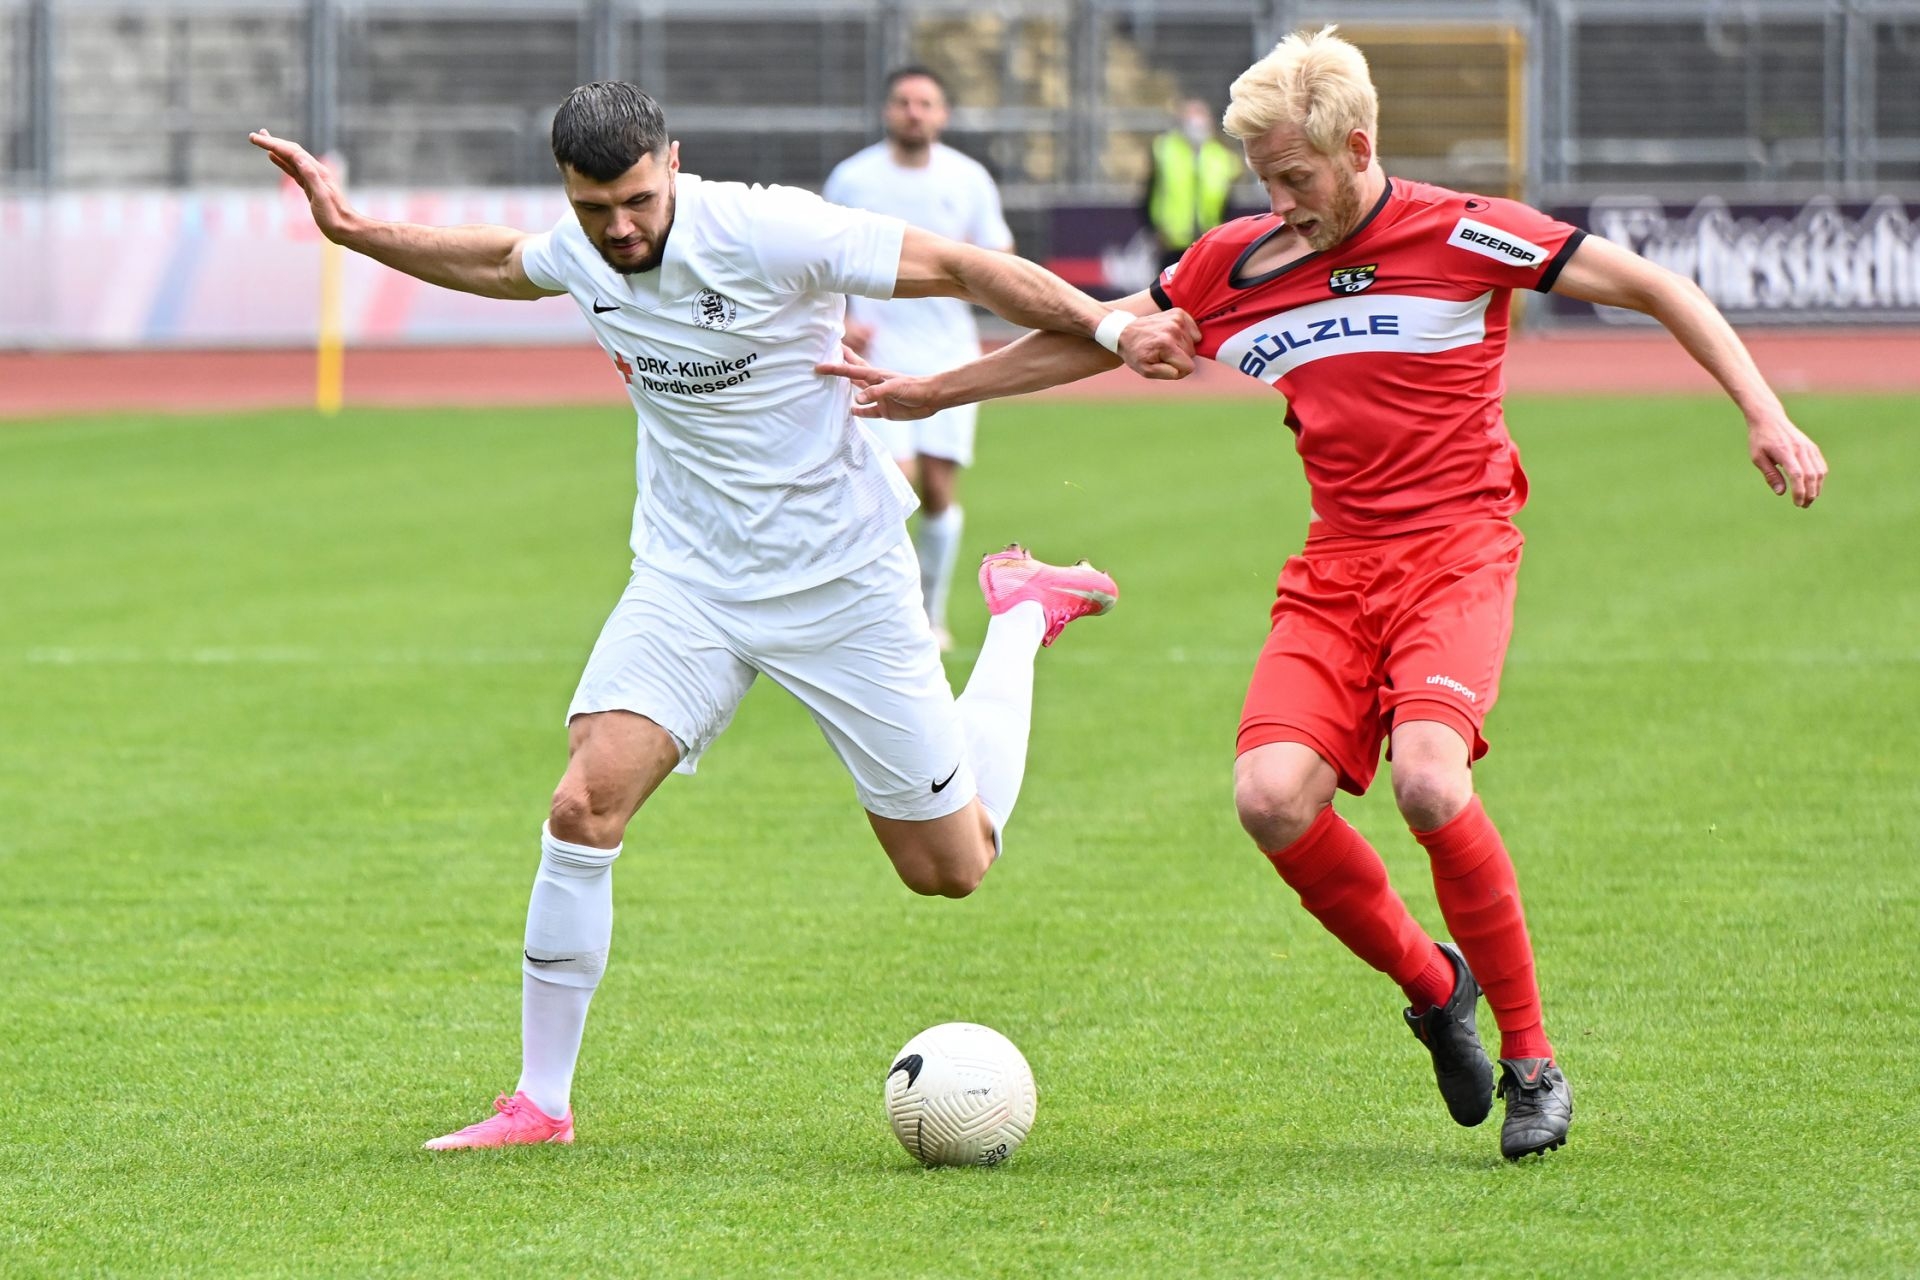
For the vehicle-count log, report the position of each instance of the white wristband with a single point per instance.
(1108, 334)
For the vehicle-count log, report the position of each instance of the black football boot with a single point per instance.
(1460, 1064)
(1539, 1106)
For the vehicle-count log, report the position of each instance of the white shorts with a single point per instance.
(857, 651)
(947, 434)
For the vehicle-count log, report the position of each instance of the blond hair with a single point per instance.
(1316, 81)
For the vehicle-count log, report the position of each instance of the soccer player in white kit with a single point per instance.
(916, 178)
(769, 531)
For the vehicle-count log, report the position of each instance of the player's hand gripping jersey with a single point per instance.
(755, 480)
(1387, 347)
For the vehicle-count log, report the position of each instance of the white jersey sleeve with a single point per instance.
(951, 195)
(802, 244)
(540, 259)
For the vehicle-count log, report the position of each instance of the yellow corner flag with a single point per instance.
(330, 355)
(329, 383)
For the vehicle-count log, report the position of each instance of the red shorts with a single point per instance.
(1367, 631)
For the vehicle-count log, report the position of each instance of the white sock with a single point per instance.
(552, 1018)
(938, 544)
(996, 709)
(569, 931)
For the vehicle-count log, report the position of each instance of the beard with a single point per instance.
(1342, 217)
(653, 259)
(914, 143)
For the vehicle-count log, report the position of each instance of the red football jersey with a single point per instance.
(1387, 347)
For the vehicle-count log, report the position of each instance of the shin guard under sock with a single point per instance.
(1343, 883)
(1479, 896)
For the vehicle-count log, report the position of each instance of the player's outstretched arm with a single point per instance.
(1159, 346)
(1603, 272)
(1034, 362)
(473, 259)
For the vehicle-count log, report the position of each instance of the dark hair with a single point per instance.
(603, 129)
(916, 71)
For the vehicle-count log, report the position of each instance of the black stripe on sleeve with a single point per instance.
(1160, 295)
(1552, 272)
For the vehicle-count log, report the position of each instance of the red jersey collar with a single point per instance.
(1235, 281)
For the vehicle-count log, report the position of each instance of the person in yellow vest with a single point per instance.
(1193, 174)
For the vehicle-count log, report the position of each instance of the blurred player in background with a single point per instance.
(1189, 182)
(769, 533)
(1379, 308)
(914, 177)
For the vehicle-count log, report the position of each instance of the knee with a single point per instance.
(1279, 791)
(1273, 813)
(1431, 795)
(944, 878)
(579, 816)
(945, 882)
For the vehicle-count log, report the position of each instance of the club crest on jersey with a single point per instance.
(1352, 279)
(713, 310)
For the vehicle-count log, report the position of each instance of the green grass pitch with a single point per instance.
(280, 710)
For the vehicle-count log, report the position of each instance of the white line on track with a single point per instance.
(306, 656)
(294, 656)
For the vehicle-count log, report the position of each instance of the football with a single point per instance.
(959, 1094)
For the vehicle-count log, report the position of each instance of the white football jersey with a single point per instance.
(952, 196)
(755, 480)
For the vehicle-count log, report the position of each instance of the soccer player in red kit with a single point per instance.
(1379, 308)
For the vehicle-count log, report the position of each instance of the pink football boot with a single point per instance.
(517, 1123)
(1009, 577)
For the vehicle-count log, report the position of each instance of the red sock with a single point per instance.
(1341, 880)
(1480, 898)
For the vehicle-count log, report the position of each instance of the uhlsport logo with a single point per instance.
(1448, 682)
(713, 310)
(1352, 279)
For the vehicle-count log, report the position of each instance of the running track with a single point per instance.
(1877, 360)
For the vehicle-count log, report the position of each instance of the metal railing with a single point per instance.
(1059, 97)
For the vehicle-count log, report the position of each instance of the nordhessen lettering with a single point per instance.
(1271, 346)
(672, 377)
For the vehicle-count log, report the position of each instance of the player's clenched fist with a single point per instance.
(329, 204)
(1160, 345)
